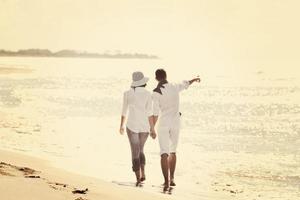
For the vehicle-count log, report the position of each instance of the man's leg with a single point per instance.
(174, 135)
(172, 165)
(165, 169)
(164, 141)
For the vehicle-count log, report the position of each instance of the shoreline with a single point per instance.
(84, 57)
(36, 179)
(14, 70)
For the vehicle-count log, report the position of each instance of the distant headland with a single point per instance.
(74, 54)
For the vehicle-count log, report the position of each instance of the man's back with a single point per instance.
(166, 103)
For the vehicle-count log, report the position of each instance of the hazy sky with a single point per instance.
(227, 31)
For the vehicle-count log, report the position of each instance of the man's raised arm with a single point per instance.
(194, 80)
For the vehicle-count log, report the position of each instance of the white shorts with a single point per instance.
(168, 139)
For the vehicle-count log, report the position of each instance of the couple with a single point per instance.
(144, 111)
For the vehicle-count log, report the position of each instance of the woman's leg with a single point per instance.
(135, 153)
(143, 138)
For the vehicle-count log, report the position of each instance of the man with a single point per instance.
(166, 106)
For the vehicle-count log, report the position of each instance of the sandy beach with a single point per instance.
(28, 178)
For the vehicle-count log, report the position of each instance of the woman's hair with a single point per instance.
(161, 74)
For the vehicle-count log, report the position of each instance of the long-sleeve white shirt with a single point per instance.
(166, 105)
(139, 104)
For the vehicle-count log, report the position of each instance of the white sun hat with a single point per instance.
(138, 79)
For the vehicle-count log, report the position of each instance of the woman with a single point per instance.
(137, 100)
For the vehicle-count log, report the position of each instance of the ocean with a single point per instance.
(240, 135)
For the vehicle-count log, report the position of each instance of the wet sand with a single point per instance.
(28, 178)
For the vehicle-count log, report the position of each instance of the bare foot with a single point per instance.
(166, 186)
(138, 183)
(172, 183)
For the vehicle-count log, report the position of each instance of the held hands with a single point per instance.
(152, 133)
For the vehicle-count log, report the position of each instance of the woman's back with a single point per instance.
(138, 103)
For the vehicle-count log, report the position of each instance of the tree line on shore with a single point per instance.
(73, 53)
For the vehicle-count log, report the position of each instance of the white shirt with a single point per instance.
(166, 105)
(139, 103)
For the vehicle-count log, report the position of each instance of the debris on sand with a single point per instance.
(32, 176)
(77, 191)
(26, 170)
(80, 198)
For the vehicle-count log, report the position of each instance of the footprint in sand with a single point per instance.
(3, 172)
(226, 188)
(57, 186)
(7, 169)
(80, 198)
